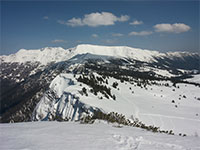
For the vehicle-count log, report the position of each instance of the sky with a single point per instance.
(155, 25)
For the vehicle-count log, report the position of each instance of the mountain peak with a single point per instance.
(44, 55)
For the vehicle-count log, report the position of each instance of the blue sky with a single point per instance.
(163, 26)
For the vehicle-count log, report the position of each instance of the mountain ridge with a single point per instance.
(57, 54)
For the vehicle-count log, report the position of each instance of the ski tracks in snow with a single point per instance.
(126, 142)
(138, 143)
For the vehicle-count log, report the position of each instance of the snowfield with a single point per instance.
(98, 136)
(195, 79)
(167, 107)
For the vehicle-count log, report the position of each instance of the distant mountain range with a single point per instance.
(52, 83)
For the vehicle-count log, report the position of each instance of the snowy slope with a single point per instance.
(152, 105)
(99, 136)
(195, 78)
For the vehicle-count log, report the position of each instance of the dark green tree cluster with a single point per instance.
(84, 90)
(95, 83)
(115, 84)
(114, 117)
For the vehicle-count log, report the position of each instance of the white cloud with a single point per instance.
(74, 22)
(136, 22)
(61, 22)
(142, 33)
(173, 28)
(58, 41)
(46, 17)
(95, 19)
(117, 34)
(95, 35)
(123, 18)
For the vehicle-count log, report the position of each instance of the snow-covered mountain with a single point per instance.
(71, 84)
(57, 54)
(43, 56)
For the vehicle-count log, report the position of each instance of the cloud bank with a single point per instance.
(117, 34)
(95, 35)
(58, 41)
(173, 28)
(136, 22)
(142, 33)
(95, 19)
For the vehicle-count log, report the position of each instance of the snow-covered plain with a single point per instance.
(98, 136)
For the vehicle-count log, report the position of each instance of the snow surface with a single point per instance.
(57, 54)
(163, 72)
(195, 79)
(98, 136)
(152, 106)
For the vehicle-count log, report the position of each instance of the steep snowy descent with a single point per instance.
(62, 99)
